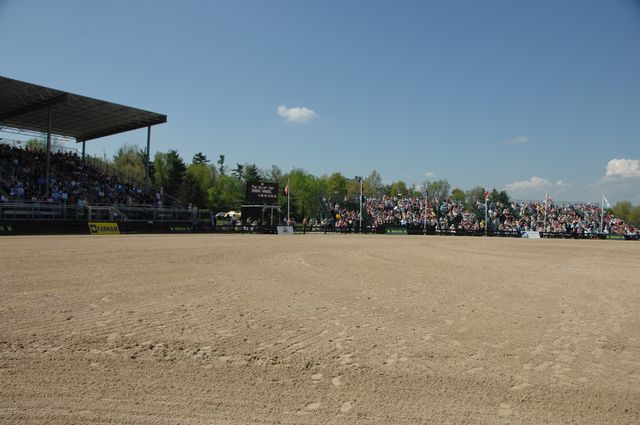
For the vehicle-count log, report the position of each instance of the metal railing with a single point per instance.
(104, 213)
(62, 211)
(40, 211)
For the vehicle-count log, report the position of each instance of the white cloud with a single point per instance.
(535, 185)
(620, 181)
(430, 174)
(532, 184)
(518, 140)
(622, 169)
(296, 114)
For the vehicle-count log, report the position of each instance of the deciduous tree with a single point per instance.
(457, 194)
(129, 160)
(373, 186)
(438, 189)
(398, 188)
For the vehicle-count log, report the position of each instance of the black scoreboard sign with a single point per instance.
(259, 193)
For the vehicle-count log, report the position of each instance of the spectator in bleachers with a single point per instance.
(23, 178)
(451, 215)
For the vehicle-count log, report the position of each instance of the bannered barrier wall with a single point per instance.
(74, 227)
(61, 227)
(410, 230)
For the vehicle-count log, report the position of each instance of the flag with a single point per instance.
(286, 191)
(605, 201)
(549, 200)
(486, 195)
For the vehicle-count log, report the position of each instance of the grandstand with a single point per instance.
(450, 217)
(61, 192)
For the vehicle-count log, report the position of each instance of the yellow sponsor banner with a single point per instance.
(103, 228)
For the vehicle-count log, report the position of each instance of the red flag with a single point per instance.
(486, 195)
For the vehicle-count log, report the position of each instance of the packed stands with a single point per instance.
(451, 215)
(22, 179)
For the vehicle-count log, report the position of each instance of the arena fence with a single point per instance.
(399, 230)
(60, 218)
(62, 211)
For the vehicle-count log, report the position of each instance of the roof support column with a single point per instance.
(84, 158)
(146, 165)
(48, 150)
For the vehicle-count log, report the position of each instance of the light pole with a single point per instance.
(360, 204)
(360, 179)
(424, 227)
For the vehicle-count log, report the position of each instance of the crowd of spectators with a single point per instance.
(23, 179)
(345, 216)
(452, 216)
(574, 218)
(408, 211)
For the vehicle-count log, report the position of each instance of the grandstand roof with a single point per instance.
(25, 106)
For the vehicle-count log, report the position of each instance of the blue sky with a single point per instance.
(528, 96)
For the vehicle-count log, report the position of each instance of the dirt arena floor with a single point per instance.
(331, 329)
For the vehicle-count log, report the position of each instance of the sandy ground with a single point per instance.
(337, 329)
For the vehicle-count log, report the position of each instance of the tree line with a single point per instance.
(217, 186)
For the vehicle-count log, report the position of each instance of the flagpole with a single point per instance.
(546, 202)
(424, 225)
(601, 213)
(288, 201)
(360, 226)
(486, 223)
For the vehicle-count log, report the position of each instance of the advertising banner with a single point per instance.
(6, 229)
(103, 228)
(285, 230)
(396, 231)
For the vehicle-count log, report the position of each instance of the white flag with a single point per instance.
(605, 201)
